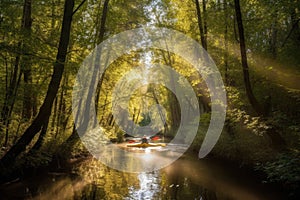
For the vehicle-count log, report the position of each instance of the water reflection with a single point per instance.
(149, 187)
(187, 178)
(169, 183)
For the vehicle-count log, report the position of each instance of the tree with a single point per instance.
(202, 28)
(73, 138)
(28, 103)
(45, 110)
(17, 73)
(253, 101)
(275, 137)
(86, 108)
(226, 43)
(100, 39)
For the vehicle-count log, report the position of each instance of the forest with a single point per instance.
(62, 69)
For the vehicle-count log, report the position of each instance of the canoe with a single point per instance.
(145, 145)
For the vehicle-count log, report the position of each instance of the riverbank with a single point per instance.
(252, 152)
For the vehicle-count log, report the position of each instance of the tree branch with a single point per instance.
(290, 33)
(78, 7)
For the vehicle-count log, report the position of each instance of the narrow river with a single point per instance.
(186, 178)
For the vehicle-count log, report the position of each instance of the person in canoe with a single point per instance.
(145, 143)
(144, 140)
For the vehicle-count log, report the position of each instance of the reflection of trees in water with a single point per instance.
(185, 179)
(179, 185)
(104, 182)
(149, 186)
(183, 188)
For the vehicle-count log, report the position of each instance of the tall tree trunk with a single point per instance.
(204, 22)
(61, 110)
(175, 114)
(276, 139)
(274, 33)
(173, 102)
(9, 105)
(100, 39)
(26, 63)
(201, 29)
(45, 110)
(103, 21)
(12, 89)
(253, 101)
(86, 120)
(98, 90)
(226, 43)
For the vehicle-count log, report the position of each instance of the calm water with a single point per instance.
(187, 178)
